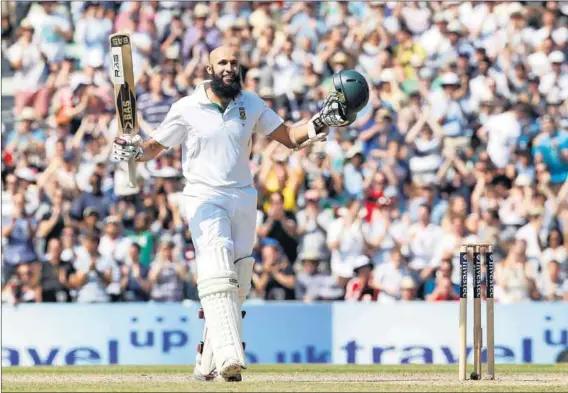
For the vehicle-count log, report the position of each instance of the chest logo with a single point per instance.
(242, 113)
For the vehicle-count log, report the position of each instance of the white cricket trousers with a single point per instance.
(217, 214)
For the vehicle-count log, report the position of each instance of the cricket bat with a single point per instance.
(124, 93)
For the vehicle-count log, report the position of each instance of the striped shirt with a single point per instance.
(154, 112)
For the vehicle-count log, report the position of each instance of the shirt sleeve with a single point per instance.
(173, 130)
(268, 121)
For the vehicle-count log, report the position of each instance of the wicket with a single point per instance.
(477, 330)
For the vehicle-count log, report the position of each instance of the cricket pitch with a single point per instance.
(285, 378)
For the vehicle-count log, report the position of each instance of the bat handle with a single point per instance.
(132, 173)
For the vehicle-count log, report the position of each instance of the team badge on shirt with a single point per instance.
(242, 113)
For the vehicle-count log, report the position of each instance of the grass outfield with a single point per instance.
(285, 378)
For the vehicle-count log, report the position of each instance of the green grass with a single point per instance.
(290, 378)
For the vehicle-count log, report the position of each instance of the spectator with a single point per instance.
(443, 291)
(280, 225)
(512, 280)
(551, 283)
(310, 281)
(93, 271)
(22, 287)
(555, 251)
(345, 239)
(143, 237)
(360, 287)
(167, 274)
(408, 289)
(389, 275)
(467, 115)
(444, 270)
(313, 224)
(55, 275)
(274, 277)
(134, 283)
(19, 234)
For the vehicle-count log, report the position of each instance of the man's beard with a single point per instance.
(225, 90)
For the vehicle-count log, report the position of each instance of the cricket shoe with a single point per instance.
(204, 378)
(231, 371)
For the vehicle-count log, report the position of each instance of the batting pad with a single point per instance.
(218, 286)
(205, 359)
(244, 268)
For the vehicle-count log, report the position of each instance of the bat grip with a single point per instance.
(132, 172)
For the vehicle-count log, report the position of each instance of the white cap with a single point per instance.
(556, 57)
(455, 27)
(560, 35)
(253, 73)
(26, 174)
(450, 79)
(360, 261)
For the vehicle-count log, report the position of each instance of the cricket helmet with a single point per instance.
(353, 88)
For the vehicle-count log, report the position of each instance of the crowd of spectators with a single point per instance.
(464, 140)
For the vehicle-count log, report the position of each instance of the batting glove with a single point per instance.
(333, 111)
(126, 148)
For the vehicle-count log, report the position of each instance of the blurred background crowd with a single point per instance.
(464, 140)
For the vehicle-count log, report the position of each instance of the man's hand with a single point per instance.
(333, 112)
(126, 147)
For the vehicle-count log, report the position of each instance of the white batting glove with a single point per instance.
(126, 148)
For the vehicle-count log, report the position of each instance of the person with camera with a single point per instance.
(22, 287)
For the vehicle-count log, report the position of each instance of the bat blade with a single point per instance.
(122, 75)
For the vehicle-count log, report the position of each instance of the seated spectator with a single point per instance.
(309, 281)
(93, 271)
(408, 289)
(55, 275)
(360, 287)
(22, 287)
(389, 275)
(134, 283)
(551, 283)
(443, 291)
(444, 270)
(274, 277)
(167, 274)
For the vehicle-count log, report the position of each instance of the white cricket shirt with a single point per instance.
(216, 146)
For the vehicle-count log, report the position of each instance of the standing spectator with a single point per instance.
(345, 239)
(142, 235)
(280, 225)
(134, 283)
(512, 278)
(55, 274)
(274, 277)
(29, 61)
(389, 275)
(154, 104)
(19, 233)
(556, 250)
(313, 224)
(167, 274)
(93, 271)
(551, 284)
(551, 147)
